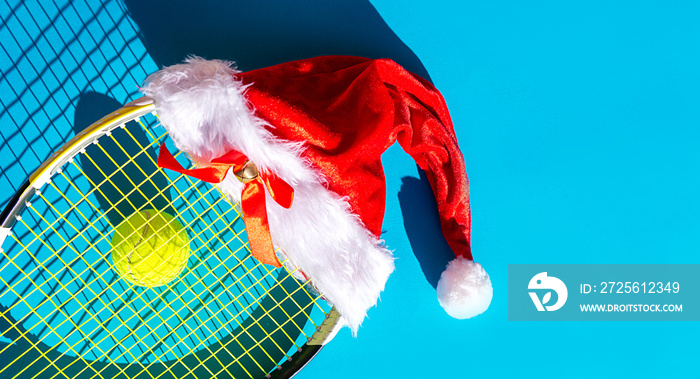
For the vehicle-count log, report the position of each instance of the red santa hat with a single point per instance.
(319, 126)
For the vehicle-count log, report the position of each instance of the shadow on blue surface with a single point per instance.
(258, 34)
(422, 223)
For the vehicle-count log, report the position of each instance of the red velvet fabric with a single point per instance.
(348, 111)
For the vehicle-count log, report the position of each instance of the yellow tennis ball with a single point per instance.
(150, 248)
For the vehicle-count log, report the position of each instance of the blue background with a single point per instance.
(579, 122)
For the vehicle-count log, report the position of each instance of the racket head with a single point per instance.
(67, 312)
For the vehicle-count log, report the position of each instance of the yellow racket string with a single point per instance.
(51, 226)
(50, 299)
(223, 319)
(124, 321)
(85, 198)
(279, 326)
(290, 318)
(70, 263)
(222, 262)
(96, 187)
(265, 267)
(105, 289)
(259, 342)
(89, 333)
(178, 213)
(29, 305)
(62, 284)
(242, 242)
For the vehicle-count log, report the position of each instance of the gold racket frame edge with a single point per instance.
(42, 175)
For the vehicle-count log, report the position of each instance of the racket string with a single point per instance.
(142, 320)
(76, 236)
(51, 226)
(60, 308)
(45, 324)
(97, 187)
(221, 322)
(288, 295)
(99, 294)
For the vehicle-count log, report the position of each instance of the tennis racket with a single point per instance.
(66, 311)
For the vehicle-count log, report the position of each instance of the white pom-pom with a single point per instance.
(464, 289)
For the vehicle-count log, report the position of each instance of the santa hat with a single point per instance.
(320, 126)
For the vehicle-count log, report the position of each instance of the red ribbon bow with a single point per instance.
(252, 198)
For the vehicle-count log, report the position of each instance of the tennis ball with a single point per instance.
(150, 248)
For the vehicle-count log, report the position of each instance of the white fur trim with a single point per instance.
(464, 289)
(206, 113)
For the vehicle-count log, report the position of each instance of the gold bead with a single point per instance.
(247, 173)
